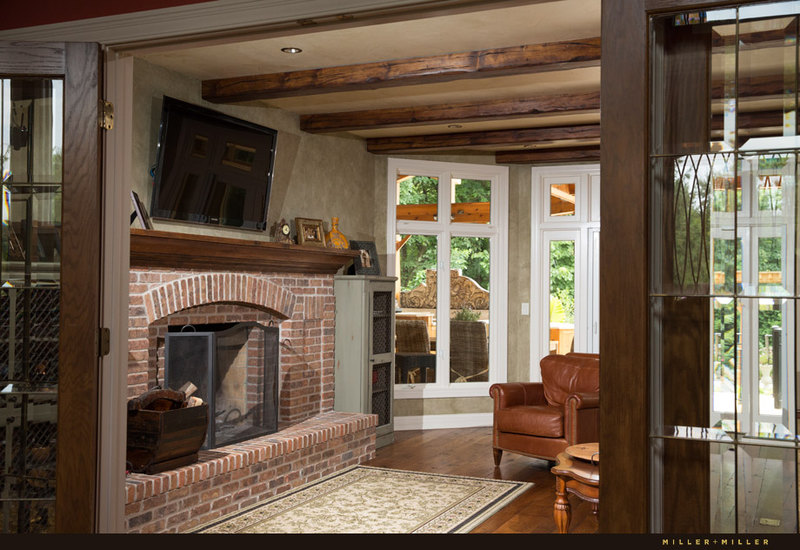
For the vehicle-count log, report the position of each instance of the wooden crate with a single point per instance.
(164, 440)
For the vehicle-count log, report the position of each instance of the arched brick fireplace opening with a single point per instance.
(302, 307)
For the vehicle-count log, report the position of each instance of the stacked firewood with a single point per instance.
(160, 399)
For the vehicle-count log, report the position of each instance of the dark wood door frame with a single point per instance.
(79, 392)
(79, 64)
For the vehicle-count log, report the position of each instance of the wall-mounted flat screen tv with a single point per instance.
(212, 168)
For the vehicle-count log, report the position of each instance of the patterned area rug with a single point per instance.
(364, 499)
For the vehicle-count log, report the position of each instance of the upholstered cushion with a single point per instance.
(538, 420)
(563, 375)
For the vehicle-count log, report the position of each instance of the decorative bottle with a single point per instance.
(336, 238)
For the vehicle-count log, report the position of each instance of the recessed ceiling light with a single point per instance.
(291, 49)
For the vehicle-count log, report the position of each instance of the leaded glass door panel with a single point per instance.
(50, 232)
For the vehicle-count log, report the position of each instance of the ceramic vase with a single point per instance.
(336, 238)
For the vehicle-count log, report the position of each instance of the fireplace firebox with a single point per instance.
(235, 369)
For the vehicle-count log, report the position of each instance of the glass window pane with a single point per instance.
(469, 309)
(562, 199)
(725, 356)
(32, 130)
(771, 356)
(415, 321)
(417, 198)
(767, 72)
(727, 194)
(684, 216)
(562, 296)
(726, 253)
(472, 201)
(30, 235)
(766, 480)
(770, 266)
(773, 170)
(684, 505)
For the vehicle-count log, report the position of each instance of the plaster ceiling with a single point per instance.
(534, 23)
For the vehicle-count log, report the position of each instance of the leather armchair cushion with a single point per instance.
(563, 375)
(536, 420)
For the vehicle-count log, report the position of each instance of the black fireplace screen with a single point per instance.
(235, 369)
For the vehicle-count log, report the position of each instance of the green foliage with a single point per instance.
(470, 255)
(473, 191)
(556, 310)
(562, 277)
(466, 314)
(419, 190)
(416, 256)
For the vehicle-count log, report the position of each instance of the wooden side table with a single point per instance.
(577, 472)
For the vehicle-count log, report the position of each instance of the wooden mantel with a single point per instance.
(167, 249)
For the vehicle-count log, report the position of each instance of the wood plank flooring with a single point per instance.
(468, 452)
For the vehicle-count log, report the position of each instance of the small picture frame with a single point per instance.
(310, 232)
(366, 263)
(140, 212)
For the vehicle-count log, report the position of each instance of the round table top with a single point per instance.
(585, 451)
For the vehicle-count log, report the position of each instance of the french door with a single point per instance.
(565, 248)
(49, 286)
(448, 247)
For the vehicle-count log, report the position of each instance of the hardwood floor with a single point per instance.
(468, 452)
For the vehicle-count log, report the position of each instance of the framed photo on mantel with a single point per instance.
(367, 262)
(310, 232)
(140, 212)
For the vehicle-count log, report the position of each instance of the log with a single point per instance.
(158, 399)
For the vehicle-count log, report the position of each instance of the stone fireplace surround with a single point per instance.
(312, 441)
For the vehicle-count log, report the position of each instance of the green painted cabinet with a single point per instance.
(365, 349)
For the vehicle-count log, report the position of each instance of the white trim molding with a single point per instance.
(442, 421)
(116, 256)
(229, 18)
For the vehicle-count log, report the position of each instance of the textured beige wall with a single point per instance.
(315, 176)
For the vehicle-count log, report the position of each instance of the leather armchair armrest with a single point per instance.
(583, 400)
(582, 418)
(510, 394)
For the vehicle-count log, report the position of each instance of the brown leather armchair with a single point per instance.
(541, 419)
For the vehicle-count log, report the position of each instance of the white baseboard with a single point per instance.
(440, 421)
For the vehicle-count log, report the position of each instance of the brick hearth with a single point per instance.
(312, 440)
(230, 478)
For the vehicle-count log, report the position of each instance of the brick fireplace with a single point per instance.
(180, 281)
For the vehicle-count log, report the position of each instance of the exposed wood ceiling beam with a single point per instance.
(444, 114)
(440, 142)
(513, 60)
(542, 156)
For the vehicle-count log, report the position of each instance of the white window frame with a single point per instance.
(496, 231)
(584, 229)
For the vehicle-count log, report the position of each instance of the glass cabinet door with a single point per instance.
(723, 257)
(30, 233)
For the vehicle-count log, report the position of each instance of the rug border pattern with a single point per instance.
(445, 522)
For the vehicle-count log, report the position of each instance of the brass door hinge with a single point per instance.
(106, 115)
(103, 341)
